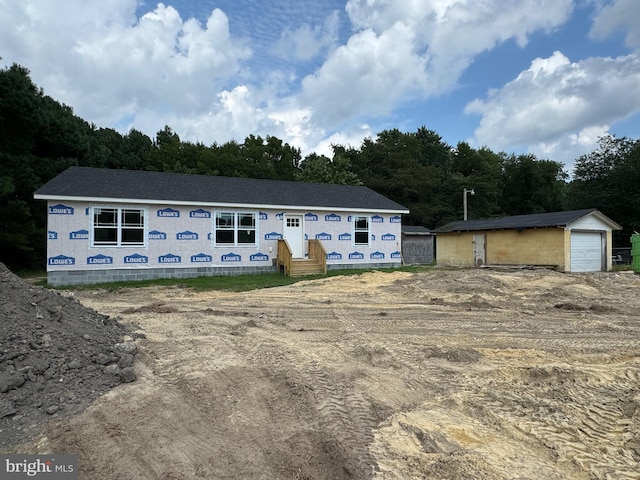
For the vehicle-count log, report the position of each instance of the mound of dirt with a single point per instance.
(56, 357)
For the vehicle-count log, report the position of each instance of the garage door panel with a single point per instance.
(586, 252)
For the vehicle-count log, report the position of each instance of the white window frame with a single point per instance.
(236, 228)
(119, 226)
(357, 230)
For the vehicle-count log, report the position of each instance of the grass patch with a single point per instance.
(232, 283)
(621, 267)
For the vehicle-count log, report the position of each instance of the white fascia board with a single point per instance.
(252, 206)
(597, 215)
(614, 225)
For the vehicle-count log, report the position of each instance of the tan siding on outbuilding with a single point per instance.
(454, 249)
(529, 247)
(543, 239)
(504, 247)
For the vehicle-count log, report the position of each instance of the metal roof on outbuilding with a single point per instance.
(522, 222)
(91, 184)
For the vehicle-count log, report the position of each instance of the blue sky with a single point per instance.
(547, 77)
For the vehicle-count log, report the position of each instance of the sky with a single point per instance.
(546, 77)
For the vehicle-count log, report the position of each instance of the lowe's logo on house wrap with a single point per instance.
(157, 235)
(279, 216)
(395, 219)
(136, 258)
(263, 216)
(388, 237)
(60, 209)
(199, 213)
(311, 217)
(273, 236)
(323, 236)
(377, 219)
(168, 212)
(231, 257)
(79, 235)
(61, 260)
(396, 255)
(356, 256)
(376, 256)
(99, 260)
(259, 257)
(332, 217)
(344, 236)
(169, 258)
(51, 235)
(334, 256)
(186, 235)
(201, 258)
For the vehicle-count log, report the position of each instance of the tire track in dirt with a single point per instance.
(439, 375)
(582, 415)
(345, 416)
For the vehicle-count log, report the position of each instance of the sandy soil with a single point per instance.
(467, 374)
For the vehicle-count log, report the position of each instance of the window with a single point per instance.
(235, 228)
(361, 230)
(118, 226)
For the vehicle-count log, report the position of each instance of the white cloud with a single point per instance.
(308, 41)
(449, 33)
(351, 137)
(619, 15)
(110, 66)
(119, 70)
(567, 148)
(367, 76)
(557, 103)
(407, 50)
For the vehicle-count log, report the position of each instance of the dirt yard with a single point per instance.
(466, 374)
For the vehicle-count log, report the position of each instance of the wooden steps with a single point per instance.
(315, 264)
(301, 267)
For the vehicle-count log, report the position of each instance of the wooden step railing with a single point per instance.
(284, 257)
(315, 264)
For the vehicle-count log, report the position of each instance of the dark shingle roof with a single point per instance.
(136, 185)
(415, 230)
(521, 222)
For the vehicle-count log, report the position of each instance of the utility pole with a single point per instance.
(464, 201)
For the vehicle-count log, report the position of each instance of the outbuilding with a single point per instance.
(418, 246)
(109, 225)
(570, 241)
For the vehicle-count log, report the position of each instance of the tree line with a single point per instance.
(40, 137)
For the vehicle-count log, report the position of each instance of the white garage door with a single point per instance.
(586, 252)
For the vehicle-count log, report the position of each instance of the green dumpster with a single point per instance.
(635, 252)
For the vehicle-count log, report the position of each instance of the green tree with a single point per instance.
(270, 158)
(608, 179)
(531, 185)
(478, 170)
(434, 151)
(38, 139)
(321, 169)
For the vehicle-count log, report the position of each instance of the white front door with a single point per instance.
(479, 250)
(294, 235)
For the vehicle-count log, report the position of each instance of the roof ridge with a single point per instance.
(92, 183)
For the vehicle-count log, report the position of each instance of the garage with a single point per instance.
(587, 253)
(568, 241)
